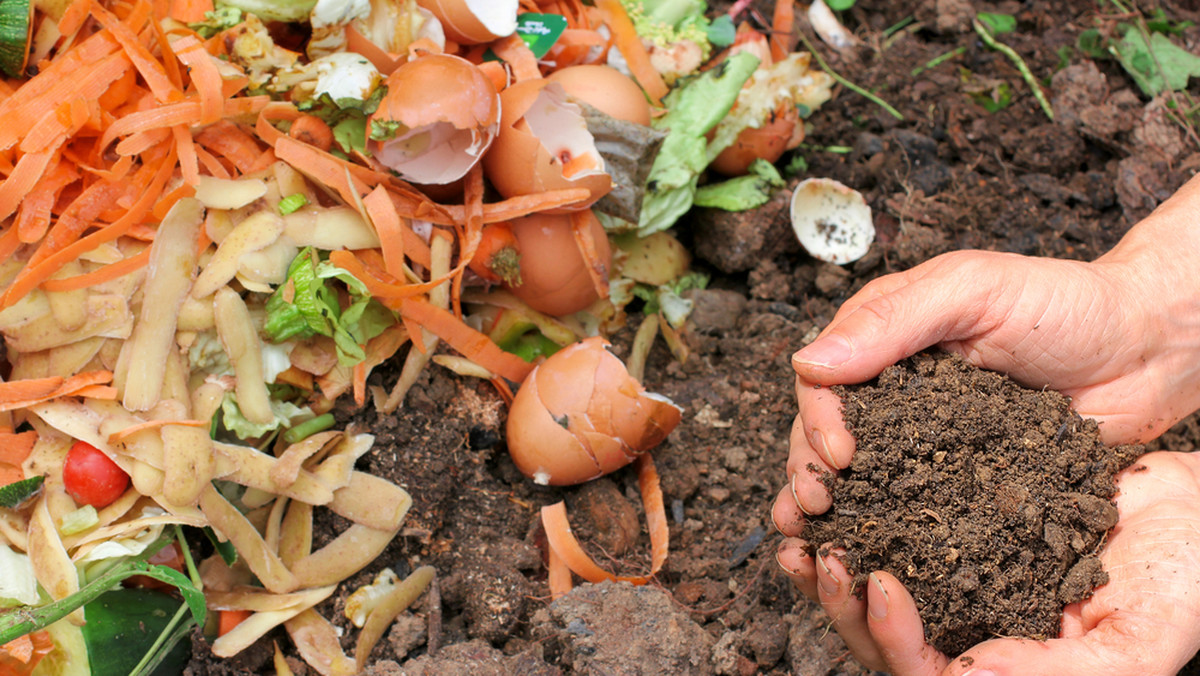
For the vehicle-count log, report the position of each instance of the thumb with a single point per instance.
(885, 323)
(1114, 648)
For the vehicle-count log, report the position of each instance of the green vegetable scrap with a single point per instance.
(15, 494)
(217, 20)
(272, 10)
(693, 108)
(1157, 65)
(669, 22)
(307, 304)
(744, 192)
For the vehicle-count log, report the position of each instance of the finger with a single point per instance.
(1120, 646)
(786, 514)
(806, 470)
(823, 428)
(893, 324)
(847, 612)
(792, 556)
(896, 626)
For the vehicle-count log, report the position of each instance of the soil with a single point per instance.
(950, 175)
(988, 501)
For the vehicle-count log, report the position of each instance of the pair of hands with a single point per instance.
(1113, 336)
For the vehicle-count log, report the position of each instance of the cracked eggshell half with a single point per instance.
(474, 22)
(544, 144)
(579, 415)
(832, 221)
(439, 117)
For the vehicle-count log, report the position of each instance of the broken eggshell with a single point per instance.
(440, 114)
(473, 22)
(832, 221)
(544, 144)
(579, 415)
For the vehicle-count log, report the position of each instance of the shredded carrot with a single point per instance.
(205, 77)
(630, 45)
(564, 544)
(559, 577)
(21, 393)
(782, 24)
(16, 447)
(228, 619)
(390, 229)
(120, 435)
(582, 225)
(467, 341)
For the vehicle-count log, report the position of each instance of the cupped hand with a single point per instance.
(1144, 622)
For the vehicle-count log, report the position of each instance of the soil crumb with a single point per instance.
(989, 501)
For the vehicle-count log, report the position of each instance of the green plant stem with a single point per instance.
(938, 60)
(166, 640)
(1013, 56)
(848, 84)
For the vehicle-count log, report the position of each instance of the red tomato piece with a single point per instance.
(91, 478)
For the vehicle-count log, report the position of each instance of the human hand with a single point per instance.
(1144, 622)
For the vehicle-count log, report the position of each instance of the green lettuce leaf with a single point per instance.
(744, 192)
(308, 304)
(693, 108)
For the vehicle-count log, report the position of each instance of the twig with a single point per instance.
(1013, 56)
(433, 607)
(848, 84)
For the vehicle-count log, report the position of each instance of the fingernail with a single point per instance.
(785, 547)
(817, 439)
(877, 598)
(828, 581)
(828, 352)
(796, 496)
(980, 672)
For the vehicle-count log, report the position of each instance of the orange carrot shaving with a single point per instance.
(22, 393)
(559, 577)
(150, 68)
(467, 341)
(227, 140)
(384, 62)
(630, 45)
(228, 619)
(205, 77)
(16, 447)
(185, 148)
(25, 175)
(360, 383)
(120, 435)
(100, 275)
(390, 229)
(564, 544)
(782, 24)
(581, 227)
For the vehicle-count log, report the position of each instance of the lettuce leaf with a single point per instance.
(309, 304)
(693, 108)
(744, 192)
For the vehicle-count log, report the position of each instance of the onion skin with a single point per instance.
(579, 415)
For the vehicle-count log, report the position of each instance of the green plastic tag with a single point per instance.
(539, 31)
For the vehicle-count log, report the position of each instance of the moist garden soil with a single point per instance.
(989, 501)
(950, 175)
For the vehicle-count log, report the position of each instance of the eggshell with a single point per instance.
(541, 136)
(832, 221)
(606, 89)
(449, 115)
(580, 415)
(554, 275)
(784, 130)
(473, 22)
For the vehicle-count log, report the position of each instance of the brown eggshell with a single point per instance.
(554, 275)
(607, 89)
(449, 99)
(580, 415)
(784, 130)
(540, 131)
(473, 22)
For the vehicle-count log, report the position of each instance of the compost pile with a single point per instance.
(988, 500)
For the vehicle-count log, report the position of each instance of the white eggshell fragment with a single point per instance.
(832, 221)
